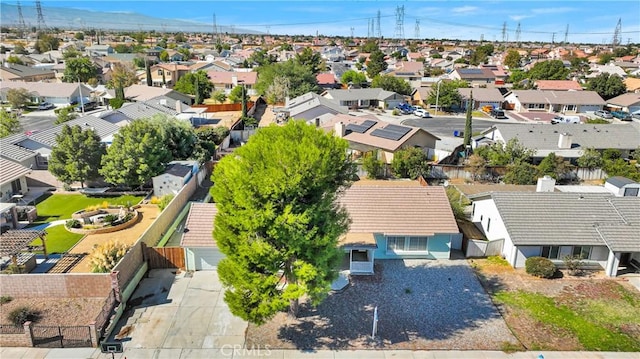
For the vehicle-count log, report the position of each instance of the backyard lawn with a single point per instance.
(590, 313)
(61, 206)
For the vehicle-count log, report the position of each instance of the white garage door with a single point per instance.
(203, 258)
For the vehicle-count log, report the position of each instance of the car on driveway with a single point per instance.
(405, 108)
(621, 115)
(45, 106)
(421, 113)
(603, 114)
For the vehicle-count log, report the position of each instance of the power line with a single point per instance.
(400, 22)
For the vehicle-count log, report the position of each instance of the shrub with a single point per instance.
(373, 166)
(573, 264)
(110, 218)
(105, 257)
(395, 112)
(21, 315)
(73, 223)
(540, 267)
(5, 299)
(13, 269)
(154, 200)
(116, 103)
(164, 201)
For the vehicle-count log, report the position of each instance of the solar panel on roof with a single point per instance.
(361, 128)
(389, 135)
(398, 129)
(470, 71)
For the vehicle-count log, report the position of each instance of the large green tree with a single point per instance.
(409, 163)
(18, 97)
(512, 59)
(178, 136)
(46, 43)
(607, 85)
(310, 59)
(79, 69)
(76, 155)
(468, 122)
(553, 166)
(376, 63)
(195, 83)
(590, 159)
(65, 114)
(278, 218)
(261, 58)
(446, 94)
(521, 172)
(9, 124)
(549, 70)
(300, 78)
(392, 83)
(354, 77)
(499, 154)
(136, 154)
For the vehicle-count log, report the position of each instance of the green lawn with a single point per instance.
(596, 323)
(61, 206)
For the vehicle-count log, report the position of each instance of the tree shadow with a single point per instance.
(435, 302)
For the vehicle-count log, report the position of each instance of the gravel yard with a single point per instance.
(422, 304)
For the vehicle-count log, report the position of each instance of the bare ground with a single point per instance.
(57, 311)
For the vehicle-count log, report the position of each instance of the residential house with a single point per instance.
(367, 134)
(313, 107)
(174, 177)
(143, 93)
(165, 74)
(601, 229)
(55, 93)
(566, 140)
(554, 101)
(482, 97)
(557, 85)
(409, 71)
(498, 71)
(475, 77)
(16, 72)
(596, 70)
(13, 180)
(629, 102)
(365, 98)
(99, 50)
(327, 81)
(632, 84)
(397, 220)
(227, 80)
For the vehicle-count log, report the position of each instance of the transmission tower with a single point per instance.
(504, 31)
(616, 35)
(352, 31)
(566, 34)
(518, 33)
(379, 33)
(553, 38)
(41, 24)
(417, 28)
(21, 25)
(481, 38)
(214, 31)
(400, 22)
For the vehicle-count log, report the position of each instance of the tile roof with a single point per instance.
(367, 138)
(46, 89)
(360, 94)
(473, 74)
(198, 229)
(102, 127)
(571, 219)
(326, 78)
(311, 100)
(482, 94)
(544, 137)
(559, 97)
(398, 210)
(143, 92)
(25, 71)
(10, 171)
(10, 150)
(136, 110)
(560, 85)
(226, 77)
(626, 99)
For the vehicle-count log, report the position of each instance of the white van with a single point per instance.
(565, 119)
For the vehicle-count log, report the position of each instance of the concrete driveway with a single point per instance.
(178, 313)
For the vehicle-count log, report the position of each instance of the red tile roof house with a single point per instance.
(327, 81)
(397, 220)
(558, 85)
(226, 81)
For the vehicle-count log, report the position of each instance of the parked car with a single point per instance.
(405, 108)
(636, 115)
(421, 113)
(45, 106)
(497, 113)
(621, 115)
(88, 106)
(565, 119)
(603, 114)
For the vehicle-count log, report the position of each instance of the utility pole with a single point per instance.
(617, 35)
(504, 31)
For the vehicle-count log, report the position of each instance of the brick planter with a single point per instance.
(106, 229)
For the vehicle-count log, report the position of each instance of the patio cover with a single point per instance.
(357, 240)
(13, 242)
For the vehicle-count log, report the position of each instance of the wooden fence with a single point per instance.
(224, 107)
(165, 257)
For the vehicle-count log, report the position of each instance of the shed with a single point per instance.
(201, 251)
(175, 176)
(622, 187)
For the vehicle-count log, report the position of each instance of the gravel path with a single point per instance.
(422, 304)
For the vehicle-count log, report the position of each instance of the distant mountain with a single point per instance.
(86, 19)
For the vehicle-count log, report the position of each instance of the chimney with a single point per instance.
(234, 79)
(317, 121)
(178, 106)
(546, 184)
(340, 129)
(564, 141)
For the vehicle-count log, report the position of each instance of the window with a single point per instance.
(570, 107)
(551, 252)
(407, 244)
(160, 72)
(582, 251)
(535, 106)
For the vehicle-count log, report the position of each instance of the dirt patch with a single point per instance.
(57, 311)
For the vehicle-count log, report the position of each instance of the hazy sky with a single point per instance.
(587, 21)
